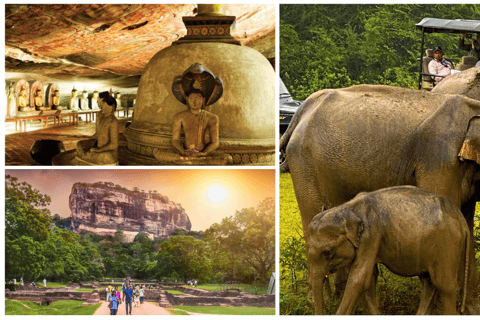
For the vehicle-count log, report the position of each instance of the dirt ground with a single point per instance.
(143, 309)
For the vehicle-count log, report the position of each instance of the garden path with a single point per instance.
(143, 309)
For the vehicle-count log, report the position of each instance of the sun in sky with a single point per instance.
(216, 194)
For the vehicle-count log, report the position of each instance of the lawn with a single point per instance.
(84, 290)
(178, 312)
(65, 307)
(174, 291)
(248, 288)
(248, 311)
(53, 284)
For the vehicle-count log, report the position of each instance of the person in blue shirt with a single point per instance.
(113, 300)
(127, 298)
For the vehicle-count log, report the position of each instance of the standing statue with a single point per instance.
(73, 102)
(38, 101)
(11, 103)
(197, 88)
(22, 100)
(119, 100)
(56, 101)
(102, 149)
(84, 101)
(95, 100)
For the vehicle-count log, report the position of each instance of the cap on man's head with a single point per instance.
(437, 49)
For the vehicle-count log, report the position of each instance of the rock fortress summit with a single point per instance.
(103, 208)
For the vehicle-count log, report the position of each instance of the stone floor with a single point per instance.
(18, 144)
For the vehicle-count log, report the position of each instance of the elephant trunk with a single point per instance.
(317, 281)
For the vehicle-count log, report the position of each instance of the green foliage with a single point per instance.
(25, 258)
(184, 256)
(245, 243)
(228, 310)
(25, 214)
(62, 307)
(334, 46)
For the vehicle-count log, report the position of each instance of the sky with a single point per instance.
(207, 195)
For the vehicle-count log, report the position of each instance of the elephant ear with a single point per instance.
(471, 145)
(353, 227)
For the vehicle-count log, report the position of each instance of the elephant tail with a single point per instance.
(467, 262)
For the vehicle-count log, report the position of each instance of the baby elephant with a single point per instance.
(412, 231)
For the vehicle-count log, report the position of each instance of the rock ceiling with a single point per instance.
(110, 42)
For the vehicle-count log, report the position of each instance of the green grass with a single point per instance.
(65, 307)
(53, 284)
(229, 310)
(174, 291)
(84, 290)
(248, 288)
(178, 312)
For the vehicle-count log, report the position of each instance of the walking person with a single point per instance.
(113, 305)
(142, 292)
(118, 295)
(109, 292)
(127, 298)
(136, 296)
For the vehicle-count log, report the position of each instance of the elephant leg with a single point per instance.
(328, 289)
(472, 303)
(448, 301)
(340, 281)
(426, 297)
(310, 199)
(371, 294)
(359, 280)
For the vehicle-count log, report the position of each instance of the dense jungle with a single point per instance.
(336, 46)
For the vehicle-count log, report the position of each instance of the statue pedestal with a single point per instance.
(70, 158)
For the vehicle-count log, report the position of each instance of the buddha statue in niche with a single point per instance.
(119, 100)
(84, 101)
(22, 100)
(95, 100)
(73, 102)
(38, 101)
(56, 101)
(11, 103)
(102, 148)
(197, 88)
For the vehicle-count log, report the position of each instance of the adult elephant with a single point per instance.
(364, 138)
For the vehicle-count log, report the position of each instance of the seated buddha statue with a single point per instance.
(38, 101)
(22, 100)
(56, 101)
(84, 101)
(102, 148)
(95, 100)
(200, 127)
(73, 102)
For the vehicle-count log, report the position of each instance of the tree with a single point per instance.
(24, 258)
(185, 256)
(248, 237)
(25, 212)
